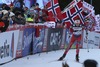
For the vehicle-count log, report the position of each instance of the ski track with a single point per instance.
(50, 59)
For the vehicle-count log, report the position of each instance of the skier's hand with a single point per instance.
(86, 33)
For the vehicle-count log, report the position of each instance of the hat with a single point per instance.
(18, 13)
(11, 14)
(4, 12)
(37, 4)
(90, 63)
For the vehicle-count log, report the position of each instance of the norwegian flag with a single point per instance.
(87, 7)
(90, 21)
(54, 10)
(73, 12)
(89, 15)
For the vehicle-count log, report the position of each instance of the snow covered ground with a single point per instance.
(48, 59)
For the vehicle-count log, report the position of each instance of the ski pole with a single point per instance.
(87, 41)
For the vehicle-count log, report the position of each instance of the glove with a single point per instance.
(86, 33)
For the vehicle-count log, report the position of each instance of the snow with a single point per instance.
(47, 59)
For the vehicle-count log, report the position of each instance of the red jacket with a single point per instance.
(2, 24)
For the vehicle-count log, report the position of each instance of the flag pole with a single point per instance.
(87, 39)
(91, 2)
(87, 42)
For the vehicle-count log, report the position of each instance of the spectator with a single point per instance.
(38, 15)
(11, 18)
(37, 7)
(90, 63)
(1, 13)
(11, 6)
(26, 12)
(32, 9)
(5, 7)
(2, 25)
(45, 14)
(29, 19)
(18, 6)
(5, 20)
(19, 19)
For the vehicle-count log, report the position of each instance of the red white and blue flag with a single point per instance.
(88, 7)
(73, 12)
(90, 15)
(54, 10)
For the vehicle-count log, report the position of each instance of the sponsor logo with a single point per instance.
(4, 50)
(12, 46)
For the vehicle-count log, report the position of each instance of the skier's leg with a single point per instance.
(77, 52)
(67, 49)
(77, 48)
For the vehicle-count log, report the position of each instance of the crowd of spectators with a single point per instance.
(17, 13)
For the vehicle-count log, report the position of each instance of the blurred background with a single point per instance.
(62, 3)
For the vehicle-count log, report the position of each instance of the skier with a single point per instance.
(76, 30)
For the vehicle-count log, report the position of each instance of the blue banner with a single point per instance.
(38, 42)
(27, 41)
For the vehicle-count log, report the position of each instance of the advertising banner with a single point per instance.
(8, 45)
(19, 45)
(92, 40)
(54, 38)
(63, 42)
(38, 41)
(45, 40)
(27, 41)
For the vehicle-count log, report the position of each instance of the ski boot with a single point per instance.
(62, 57)
(77, 57)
